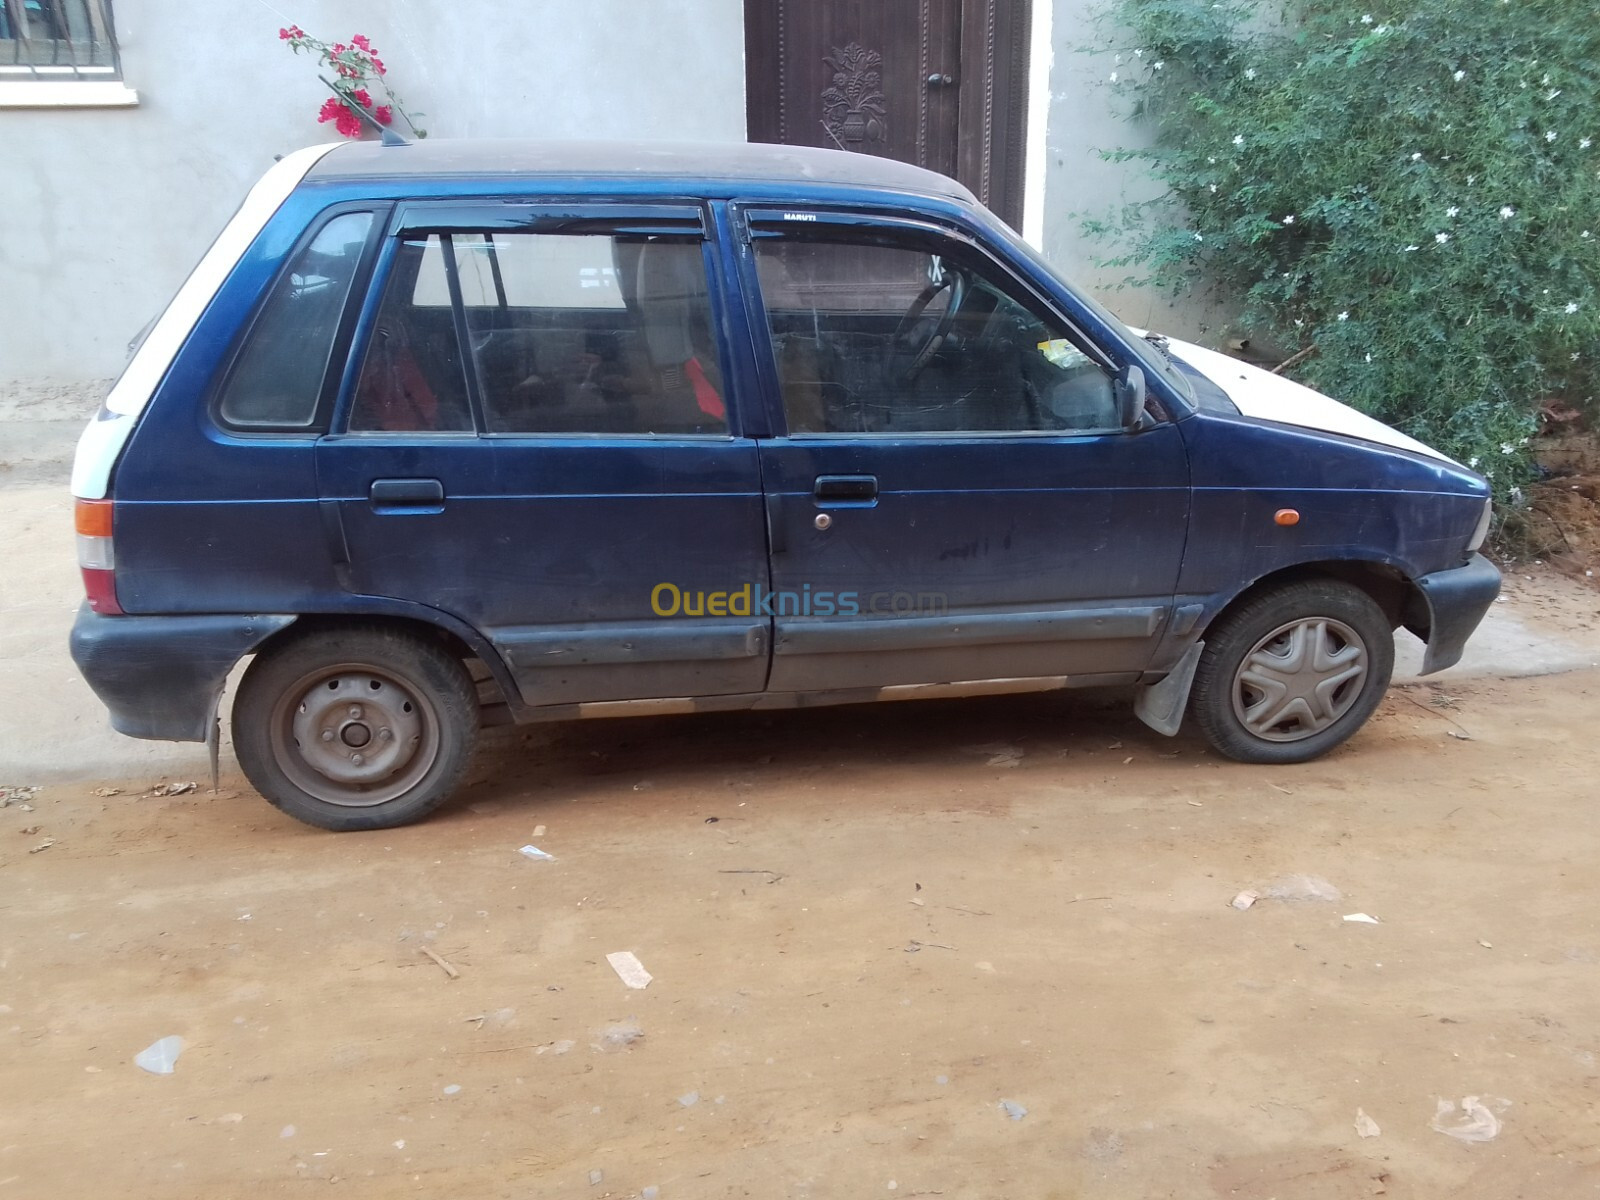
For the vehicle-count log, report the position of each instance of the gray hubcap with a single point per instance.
(1300, 679)
(354, 736)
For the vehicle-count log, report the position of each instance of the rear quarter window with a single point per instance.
(276, 379)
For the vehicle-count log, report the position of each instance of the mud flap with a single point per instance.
(1161, 705)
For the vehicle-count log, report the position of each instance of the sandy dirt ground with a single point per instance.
(870, 929)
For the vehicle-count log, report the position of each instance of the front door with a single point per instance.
(953, 498)
(939, 83)
(539, 440)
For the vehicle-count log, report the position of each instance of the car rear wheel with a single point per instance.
(356, 729)
(1292, 672)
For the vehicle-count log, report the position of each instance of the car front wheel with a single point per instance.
(357, 728)
(1292, 672)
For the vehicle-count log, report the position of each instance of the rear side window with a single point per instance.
(590, 333)
(276, 380)
(412, 379)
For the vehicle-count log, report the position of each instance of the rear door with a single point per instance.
(953, 498)
(537, 438)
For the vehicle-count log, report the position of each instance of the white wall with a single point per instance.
(1088, 115)
(107, 209)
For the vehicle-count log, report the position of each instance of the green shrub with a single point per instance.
(1412, 190)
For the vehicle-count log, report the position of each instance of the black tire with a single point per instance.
(1322, 629)
(362, 728)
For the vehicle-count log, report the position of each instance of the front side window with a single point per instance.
(873, 336)
(276, 380)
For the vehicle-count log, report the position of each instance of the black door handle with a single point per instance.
(406, 493)
(846, 489)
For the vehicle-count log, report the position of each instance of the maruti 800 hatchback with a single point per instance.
(450, 433)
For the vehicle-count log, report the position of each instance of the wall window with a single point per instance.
(276, 381)
(874, 337)
(52, 40)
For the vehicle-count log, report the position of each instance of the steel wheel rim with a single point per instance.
(355, 735)
(1300, 679)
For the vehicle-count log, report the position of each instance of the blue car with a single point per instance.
(447, 434)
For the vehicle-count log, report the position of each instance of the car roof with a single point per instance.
(711, 167)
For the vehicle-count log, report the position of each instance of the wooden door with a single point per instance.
(938, 83)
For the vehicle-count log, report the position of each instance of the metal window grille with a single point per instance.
(58, 40)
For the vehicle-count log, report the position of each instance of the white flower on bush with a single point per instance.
(1585, 143)
(1367, 20)
(1138, 53)
(1249, 72)
(1369, 358)
(1586, 235)
(1550, 135)
(1158, 65)
(1441, 238)
(1289, 220)
(1416, 156)
(1113, 77)
(1238, 139)
(1459, 76)
(1344, 316)
(1409, 249)
(1572, 307)
(1213, 188)
(1573, 356)
(1507, 212)
(1452, 211)
(1199, 237)
(1507, 448)
(1381, 29)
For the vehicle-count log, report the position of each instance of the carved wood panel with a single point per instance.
(939, 83)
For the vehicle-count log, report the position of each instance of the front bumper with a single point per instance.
(161, 677)
(1456, 600)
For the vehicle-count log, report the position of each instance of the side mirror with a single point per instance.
(1130, 399)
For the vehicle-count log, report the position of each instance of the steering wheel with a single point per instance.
(910, 350)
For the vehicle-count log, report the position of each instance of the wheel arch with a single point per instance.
(458, 639)
(1400, 599)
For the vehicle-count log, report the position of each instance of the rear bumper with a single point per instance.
(1457, 600)
(161, 677)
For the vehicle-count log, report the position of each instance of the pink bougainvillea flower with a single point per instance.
(362, 97)
(384, 113)
(360, 42)
(377, 65)
(330, 110)
(348, 124)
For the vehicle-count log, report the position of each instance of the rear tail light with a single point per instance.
(97, 556)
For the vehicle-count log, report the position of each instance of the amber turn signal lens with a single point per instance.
(1286, 516)
(93, 518)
